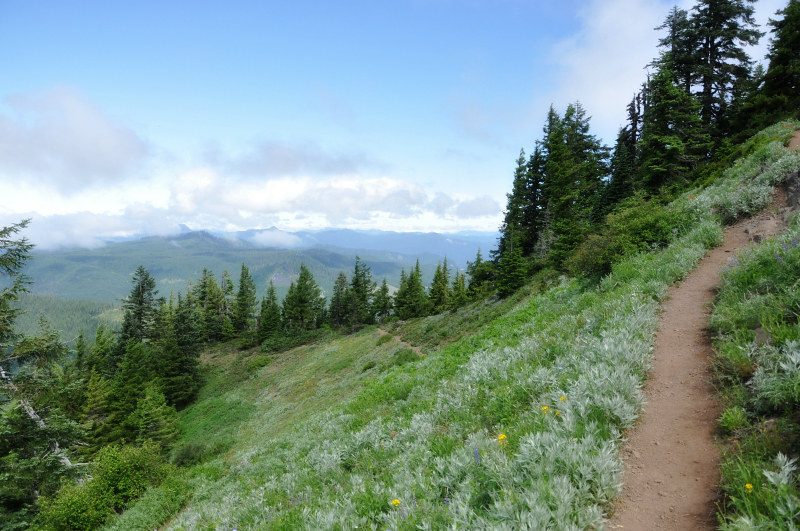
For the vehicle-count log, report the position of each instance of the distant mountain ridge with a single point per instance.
(103, 274)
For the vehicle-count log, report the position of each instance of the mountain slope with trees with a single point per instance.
(297, 412)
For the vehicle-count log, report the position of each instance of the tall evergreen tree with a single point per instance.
(574, 168)
(412, 300)
(244, 311)
(269, 321)
(459, 291)
(361, 289)
(673, 141)
(511, 270)
(440, 288)
(481, 275)
(303, 306)
(779, 95)
(382, 302)
(140, 309)
(680, 48)
(339, 309)
(723, 28)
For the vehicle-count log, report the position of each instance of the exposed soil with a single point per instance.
(671, 471)
(382, 332)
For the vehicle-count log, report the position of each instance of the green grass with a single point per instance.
(755, 320)
(513, 417)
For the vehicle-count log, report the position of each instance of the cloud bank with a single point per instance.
(58, 137)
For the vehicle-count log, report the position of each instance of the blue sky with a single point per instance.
(133, 118)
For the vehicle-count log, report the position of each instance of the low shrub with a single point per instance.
(636, 225)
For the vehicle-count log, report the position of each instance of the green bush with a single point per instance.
(634, 226)
(189, 454)
(118, 476)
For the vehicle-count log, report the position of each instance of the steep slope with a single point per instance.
(517, 424)
(671, 461)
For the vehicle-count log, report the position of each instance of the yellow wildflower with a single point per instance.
(502, 439)
(396, 502)
(558, 413)
(545, 408)
(563, 397)
(748, 487)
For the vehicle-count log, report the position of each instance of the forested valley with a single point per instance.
(515, 411)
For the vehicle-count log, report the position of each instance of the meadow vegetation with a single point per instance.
(517, 419)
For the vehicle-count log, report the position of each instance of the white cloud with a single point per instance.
(60, 138)
(276, 238)
(603, 63)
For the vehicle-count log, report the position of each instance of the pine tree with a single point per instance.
(440, 288)
(340, 301)
(103, 354)
(382, 302)
(673, 142)
(778, 97)
(140, 309)
(154, 420)
(481, 277)
(245, 306)
(459, 291)
(574, 168)
(134, 373)
(511, 271)
(303, 306)
(269, 322)
(97, 411)
(412, 300)
(723, 28)
(680, 48)
(187, 325)
(80, 351)
(361, 290)
(211, 304)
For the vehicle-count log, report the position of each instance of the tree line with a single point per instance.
(703, 96)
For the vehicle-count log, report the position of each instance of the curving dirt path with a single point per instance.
(671, 461)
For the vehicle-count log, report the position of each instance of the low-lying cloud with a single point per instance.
(60, 138)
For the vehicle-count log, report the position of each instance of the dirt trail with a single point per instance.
(671, 461)
(382, 332)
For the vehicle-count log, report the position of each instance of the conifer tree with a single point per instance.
(269, 321)
(245, 305)
(134, 373)
(340, 301)
(511, 271)
(140, 309)
(481, 277)
(723, 28)
(459, 296)
(361, 290)
(303, 306)
(97, 411)
(680, 48)
(673, 141)
(154, 420)
(80, 351)
(779, 96)
(382, 302)
(412, 300)
(440, 288)
(575, 165)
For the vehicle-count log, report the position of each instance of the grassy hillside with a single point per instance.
(512, 419)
